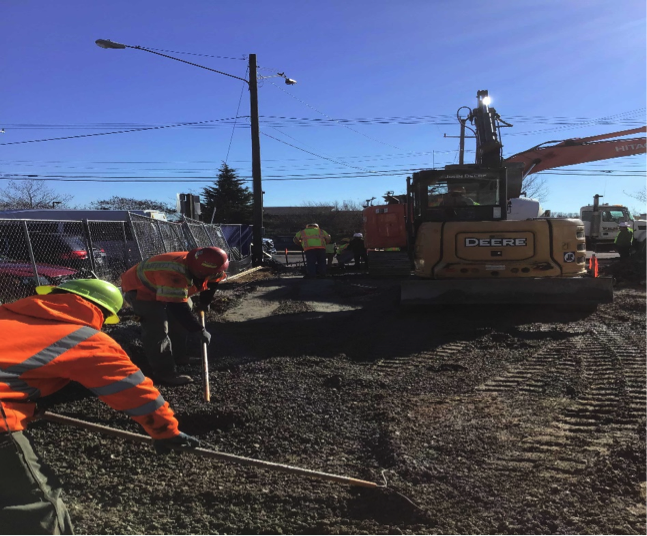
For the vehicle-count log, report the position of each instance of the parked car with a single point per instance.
(17, 278)
(55, 248)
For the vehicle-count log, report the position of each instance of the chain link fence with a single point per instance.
(44, 252)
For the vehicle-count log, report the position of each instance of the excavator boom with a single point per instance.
(577, 151)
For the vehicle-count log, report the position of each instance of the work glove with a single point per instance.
(182, 441)
(205, 337)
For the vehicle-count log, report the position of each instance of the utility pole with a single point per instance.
(257, 216)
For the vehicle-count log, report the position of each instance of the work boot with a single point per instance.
(173, 378)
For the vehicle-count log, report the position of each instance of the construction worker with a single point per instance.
(359, 251)
(457, 198)
(159, 290)
(313, 240)
(624, 239)
(49, 340)
(343, 253)
(331, 249)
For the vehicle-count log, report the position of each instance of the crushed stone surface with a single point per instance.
(483, 420)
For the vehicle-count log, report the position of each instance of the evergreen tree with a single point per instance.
(233, 201)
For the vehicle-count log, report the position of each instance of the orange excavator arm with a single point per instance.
(579, 150)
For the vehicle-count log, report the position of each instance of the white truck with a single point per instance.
(602, 224)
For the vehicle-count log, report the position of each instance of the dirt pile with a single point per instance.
(489, 420)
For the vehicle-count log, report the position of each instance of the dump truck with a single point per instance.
(451, 240)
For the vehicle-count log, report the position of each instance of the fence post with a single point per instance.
(132, 228)
(88, 245)
(31, 252)
(159, 232)
(187, 227)
(126, 255)
(206, 231)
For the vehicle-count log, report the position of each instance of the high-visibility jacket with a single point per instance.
(51, 340)
(330, 249)
(342, 247)
(624, 238)
(165, 278)
(312, 238)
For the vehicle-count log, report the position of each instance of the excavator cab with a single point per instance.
(458, 193)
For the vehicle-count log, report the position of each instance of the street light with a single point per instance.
(257, 186)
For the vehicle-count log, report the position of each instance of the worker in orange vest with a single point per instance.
(49, 340)
(159, 290)
(313, 240)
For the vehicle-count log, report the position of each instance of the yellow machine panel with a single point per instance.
(500, 249)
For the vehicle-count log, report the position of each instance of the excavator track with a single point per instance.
(609, 407)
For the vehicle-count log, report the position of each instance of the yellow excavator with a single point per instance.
(453, 239)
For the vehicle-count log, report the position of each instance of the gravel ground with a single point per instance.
(514, 420)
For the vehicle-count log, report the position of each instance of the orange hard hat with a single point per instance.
(204, 262)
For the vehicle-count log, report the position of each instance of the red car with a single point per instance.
(17, 278)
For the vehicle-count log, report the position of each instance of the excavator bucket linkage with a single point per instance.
(579, 291)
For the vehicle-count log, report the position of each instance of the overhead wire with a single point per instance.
(117, 132)
(331, 118)
(313, 154)
(296, 177)
(242, 90)
(242, 58)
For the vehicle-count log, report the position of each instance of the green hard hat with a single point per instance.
(95, 290)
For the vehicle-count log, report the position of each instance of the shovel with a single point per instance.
(205, 365)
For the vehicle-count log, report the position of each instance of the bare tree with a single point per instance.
(640, 195)
(31, 194)
(129, 203)
(535, 187)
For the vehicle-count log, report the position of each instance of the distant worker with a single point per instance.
(56, 338)
(344, 254)
(313, 240)
(358, 248)
(457, 198)
(331, 249)
(624, 240)
(159, 289)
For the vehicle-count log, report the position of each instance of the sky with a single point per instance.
(379, 84)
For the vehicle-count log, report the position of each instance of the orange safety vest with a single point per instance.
(313, 238)
(56, 339)
(164, 278)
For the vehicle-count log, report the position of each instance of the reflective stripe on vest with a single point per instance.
(11, 375)
(116, 387)
(312, 240)
(147, 408)
(164, 266)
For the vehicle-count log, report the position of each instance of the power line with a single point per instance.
(237, 109)
(117, 132)
(313, 154)
(325, 115)
(561, 122)
(242, 58)
(336, 176)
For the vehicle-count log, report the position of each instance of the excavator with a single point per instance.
(457, 232)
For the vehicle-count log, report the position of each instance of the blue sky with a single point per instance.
(385, 77)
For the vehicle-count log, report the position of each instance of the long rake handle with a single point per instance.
(205, 365)
(139, 438)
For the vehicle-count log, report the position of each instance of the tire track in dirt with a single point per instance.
(612, 370)
(403, 364)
